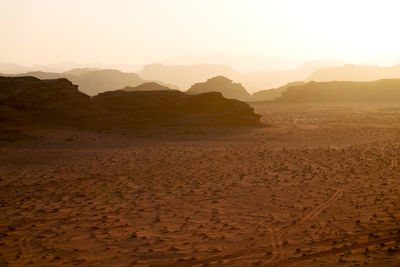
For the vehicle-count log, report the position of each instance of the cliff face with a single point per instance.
(34, 102)
(30, 93)
(223, 85)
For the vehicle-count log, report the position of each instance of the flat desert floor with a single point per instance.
(320, 186)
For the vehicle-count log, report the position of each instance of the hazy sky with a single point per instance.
(144, 31)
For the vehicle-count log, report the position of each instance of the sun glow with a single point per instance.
(151, 30)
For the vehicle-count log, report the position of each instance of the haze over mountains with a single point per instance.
(200, 78)
(13, 68)
(94, 81)
(241, 63)
(264, 73)
(185, 75)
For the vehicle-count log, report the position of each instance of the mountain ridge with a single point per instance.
(383, 90)
(356, 73)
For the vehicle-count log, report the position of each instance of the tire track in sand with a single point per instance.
(281, 233)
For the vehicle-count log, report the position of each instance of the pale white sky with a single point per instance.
(145, 31)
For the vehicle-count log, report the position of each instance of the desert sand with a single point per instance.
(319, 186)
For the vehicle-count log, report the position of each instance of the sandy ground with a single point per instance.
(319, 187)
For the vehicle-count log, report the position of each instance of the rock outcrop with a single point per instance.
(30, 93)
(176, 108)
(34, 102)
(221, 84)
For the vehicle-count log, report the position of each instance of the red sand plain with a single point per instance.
(318, 187)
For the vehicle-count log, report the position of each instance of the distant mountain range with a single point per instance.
(384, 90)
(181, 77)
(201, 78)
(242, 63)
(185, 75)
(12, 68)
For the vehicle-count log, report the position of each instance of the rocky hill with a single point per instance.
(176, 108)
(386, 90)
(32, 102)
(221, 84)
(35, 102)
